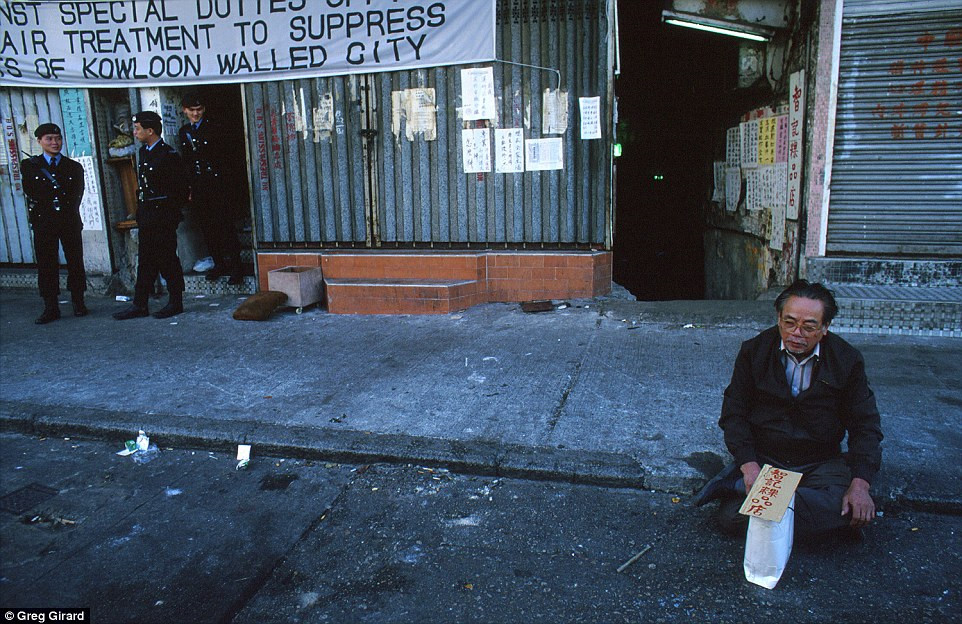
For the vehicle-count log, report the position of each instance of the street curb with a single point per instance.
(481, 457)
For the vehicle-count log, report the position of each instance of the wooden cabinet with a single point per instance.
(127, 172)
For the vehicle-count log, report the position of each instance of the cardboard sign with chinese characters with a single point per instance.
(771, 493)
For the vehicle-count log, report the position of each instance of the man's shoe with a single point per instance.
(80, 309)
(721, 485)
(169, 310)
(131, 312)
(48, 315)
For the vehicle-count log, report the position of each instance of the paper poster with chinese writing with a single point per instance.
(781, 185)
(554, 112)
(590, 117)
(90, 209)
(417, 108)
(509, 150)
(766, 186)
(733, 147)
(544, 154)
(776, 228)
(781, 139)
(477, 93)
(750, 144)
(751, 190)
(771, 493)
(73, 107)
(733, 188)
(766, 141)
(476, 150)
(796, 119)
(718, 196)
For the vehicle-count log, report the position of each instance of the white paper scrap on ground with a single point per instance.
(544, 154)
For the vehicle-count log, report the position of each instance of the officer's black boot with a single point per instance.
(217, 272)
(51, 311)
(236, 271)
(79, 307)
(175, 305)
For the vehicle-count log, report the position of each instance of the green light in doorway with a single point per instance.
(659, 178)
(617, 149)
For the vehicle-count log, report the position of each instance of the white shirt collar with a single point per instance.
(814, 354)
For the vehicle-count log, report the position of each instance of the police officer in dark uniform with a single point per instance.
(162, 194)
(204, 158)
(54, 186)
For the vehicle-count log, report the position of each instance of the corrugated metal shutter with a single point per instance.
(21, 111)
(307, 185)
(378, 188)
(897, 169)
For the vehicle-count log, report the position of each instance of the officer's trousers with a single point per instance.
(48, 235)
(157, 254)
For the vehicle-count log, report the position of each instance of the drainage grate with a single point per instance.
(19, 501)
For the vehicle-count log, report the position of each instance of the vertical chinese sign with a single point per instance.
(796, 120)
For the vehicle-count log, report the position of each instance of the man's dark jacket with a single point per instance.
(760, 416)
(163, 187)
(41, 189)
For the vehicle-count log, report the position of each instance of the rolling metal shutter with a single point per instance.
(897, 169)
(360, 185)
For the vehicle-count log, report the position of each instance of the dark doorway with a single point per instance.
(674, 97)
(226, 107)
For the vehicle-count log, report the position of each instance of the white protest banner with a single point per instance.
(174, 42)
(90, 208)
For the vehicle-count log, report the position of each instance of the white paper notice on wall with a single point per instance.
(554, 112)
(750, 144)
(509, 150)
(733, 147)
(718, 195)
(766, 186)
(781, 184)
(777, 228)
(733, 188)
(323, 117)
(90, 209)
(544, 154)
(751, 190)
(590, 117)
(417, 108)
(477, 94)
(476, 150)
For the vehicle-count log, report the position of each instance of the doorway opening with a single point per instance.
(677, 92)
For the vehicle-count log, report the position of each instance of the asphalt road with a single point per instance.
(185, 537)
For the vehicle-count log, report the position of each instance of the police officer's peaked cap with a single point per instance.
(191, 99)
(149, 119)
(47, 128)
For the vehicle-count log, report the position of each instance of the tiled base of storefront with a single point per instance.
(442, 282)
(891, 296)
(195, 284)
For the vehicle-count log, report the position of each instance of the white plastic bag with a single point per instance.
(768, 546)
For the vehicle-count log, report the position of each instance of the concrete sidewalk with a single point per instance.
(608, 391)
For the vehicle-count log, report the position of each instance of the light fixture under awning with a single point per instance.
(752, 32)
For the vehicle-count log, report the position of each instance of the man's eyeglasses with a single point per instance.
(807, 329)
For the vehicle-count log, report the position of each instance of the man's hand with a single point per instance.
(859, 502)
(750, 472)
